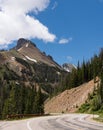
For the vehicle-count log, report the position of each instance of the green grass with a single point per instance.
(84, 108)
(100, 118)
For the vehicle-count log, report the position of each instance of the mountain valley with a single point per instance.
(32, 82)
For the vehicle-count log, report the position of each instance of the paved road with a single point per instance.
(61, 122)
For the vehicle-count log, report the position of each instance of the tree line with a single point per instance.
(85, 72)
(18, 99)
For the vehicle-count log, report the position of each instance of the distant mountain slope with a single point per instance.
(68, 67)
(28, 51)
(31, 66)
(32, 53)
(70, 100)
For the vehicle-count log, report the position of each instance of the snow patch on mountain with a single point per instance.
(27, 45)
(68, 67)
(31, 59)
(24, 59)
(20, 49)
(13, 58)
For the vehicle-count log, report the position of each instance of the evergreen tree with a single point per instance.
(30, 101)
(38, 104)
(10, 103)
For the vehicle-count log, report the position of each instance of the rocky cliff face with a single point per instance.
(23, 41)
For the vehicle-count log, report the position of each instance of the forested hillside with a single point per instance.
(26, 83)
(15, 98)
(85, 72)
(27, 78)
(82, 89)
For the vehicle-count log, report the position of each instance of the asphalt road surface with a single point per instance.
(60, 122)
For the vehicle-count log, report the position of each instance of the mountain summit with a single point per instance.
(21, 42)
(27, 64)
(28, 51)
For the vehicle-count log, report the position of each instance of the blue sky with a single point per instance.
(81, 20)
(75, 29)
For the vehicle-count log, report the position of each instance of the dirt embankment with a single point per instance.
(70, 100)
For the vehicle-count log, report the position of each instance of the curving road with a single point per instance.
(61, 122)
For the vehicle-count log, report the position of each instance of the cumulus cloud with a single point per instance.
(15, 21)
(65, 41)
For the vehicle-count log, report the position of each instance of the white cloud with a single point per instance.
(15, 22)
(65, 41)
(55, 5)
(69, 58)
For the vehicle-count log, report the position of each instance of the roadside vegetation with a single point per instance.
(16, 99)
(94, 104)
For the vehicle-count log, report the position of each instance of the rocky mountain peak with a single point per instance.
(68, 67)
(21, 42)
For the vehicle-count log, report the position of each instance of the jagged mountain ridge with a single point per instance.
(23, 41)
(30, 66)
(29, 51)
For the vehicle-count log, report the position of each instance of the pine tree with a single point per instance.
(38, 105)
(30, 98)
(101, 87)
(10, 103)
